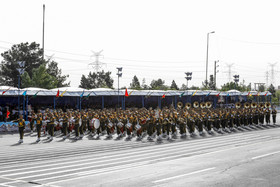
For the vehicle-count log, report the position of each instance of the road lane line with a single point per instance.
(81, 146)
(122, 151)
(120, 156)
(153, 153)
(93, 173)
(183, 175)
(162, 145)
(265, 155)
(143, 162)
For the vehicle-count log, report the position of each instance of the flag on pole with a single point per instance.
(35, 95)
(163, 96)
(248, 94)
(5, 91)
(82, 94)
(61, 95)
(57, 94)
(8, 113)
(130, 93)
(266, 94)
(258, 94)
(208, 94)
(194, 93)
(182, 94)
(228, 95)
(126, 94)
(218, 94)
(24, 93)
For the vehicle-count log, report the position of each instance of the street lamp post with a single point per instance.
(20, 71)
(188, 78)
(119, 74)
(207, 56)
(236, 79)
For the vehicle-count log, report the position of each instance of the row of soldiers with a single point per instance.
(158, 123)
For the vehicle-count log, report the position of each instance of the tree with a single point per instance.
(261, 88)
(249, 87)
(135, 84)
(212, 83)
(174, 86)
(52, 69)
(232, 86)
(144, 85)
(31, 54)
(158, 85)
(272, 90)
(97, 80)
(183, 87)
(194, 88)
(40, 78)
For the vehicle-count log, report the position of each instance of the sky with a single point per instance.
(151, 38)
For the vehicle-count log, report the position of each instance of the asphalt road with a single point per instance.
(244, 158)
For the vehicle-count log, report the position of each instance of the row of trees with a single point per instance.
(44, 73)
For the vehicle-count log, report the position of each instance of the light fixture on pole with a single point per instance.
(119, 74)
(236, 79)
(188, 77)
(206, 83)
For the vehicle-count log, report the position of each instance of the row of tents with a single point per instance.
(80, 92)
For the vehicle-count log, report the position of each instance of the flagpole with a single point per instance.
(18, 94)
(43, 39)
(23, 107)
(26, 108)
(53, 102)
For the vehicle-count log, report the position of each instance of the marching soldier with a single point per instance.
(65, 124)
(77, 124)
(38, 119)
(32, 120)
(50, 124)
(274, 112)
(21, 127)
(267, 116)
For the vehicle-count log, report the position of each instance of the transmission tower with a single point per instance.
(229, 71)
(97, 64)
(266, 78)
(272, 72)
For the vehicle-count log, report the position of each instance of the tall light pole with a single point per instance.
(188, 77)
(215, 72)
(207, 56)
(236, 80)
(119, 74)
(20, 71)
(43, 39)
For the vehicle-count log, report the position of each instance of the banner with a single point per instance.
(12, 126)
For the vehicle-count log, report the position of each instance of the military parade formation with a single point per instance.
(153, 123)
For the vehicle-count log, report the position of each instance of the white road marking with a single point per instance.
(93, 173)
(265, 155)
(94, 160)
(79, 145)
(183, 175)
(184, 143)
(107, 170)
(109, 162)
(17, 181)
